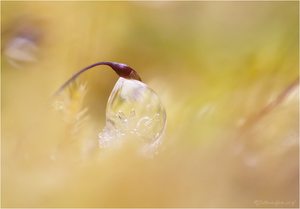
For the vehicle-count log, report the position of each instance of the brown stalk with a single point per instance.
(121, 69)
(272, 105)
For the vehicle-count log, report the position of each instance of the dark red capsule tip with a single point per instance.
(125, 71)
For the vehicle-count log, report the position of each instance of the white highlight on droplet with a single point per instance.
(133, 110)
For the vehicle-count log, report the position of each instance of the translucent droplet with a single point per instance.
(133, 109)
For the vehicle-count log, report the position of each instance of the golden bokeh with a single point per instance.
(219, 69)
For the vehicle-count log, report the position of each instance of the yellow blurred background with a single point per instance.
(215, 65)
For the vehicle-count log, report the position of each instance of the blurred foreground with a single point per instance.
(215, 65)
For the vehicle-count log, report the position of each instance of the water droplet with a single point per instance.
(133, 108)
